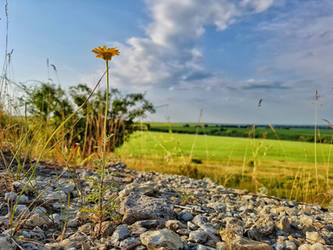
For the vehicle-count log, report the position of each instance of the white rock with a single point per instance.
(10, 196)
(318, 246)
(38, 220)
(161, 239)
(314, 237)
(6, 244)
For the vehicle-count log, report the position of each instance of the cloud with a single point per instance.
(293, 59)
(303, 41)
(168, 55)
(253, 85)
(258, 5)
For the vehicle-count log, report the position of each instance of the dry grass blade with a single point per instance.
(328, 122)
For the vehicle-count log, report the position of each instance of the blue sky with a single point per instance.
(220, 56)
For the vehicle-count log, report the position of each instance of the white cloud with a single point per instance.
(258, 5)
(168, 62)
(167, 55)
(303, 42)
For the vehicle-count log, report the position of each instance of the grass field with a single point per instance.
(293, 133)
(282, 168)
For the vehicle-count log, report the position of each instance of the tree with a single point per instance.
(124, 107)
(52, 105)
(46, 101)
(124, 110)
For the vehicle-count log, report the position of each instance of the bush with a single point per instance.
(52, 104)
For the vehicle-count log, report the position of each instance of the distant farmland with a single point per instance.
(281, 132)
(283, 168)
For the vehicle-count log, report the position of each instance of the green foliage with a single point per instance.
(109, 206)
(46, 101)
(124, 107)
(52, 105)
(186, 198)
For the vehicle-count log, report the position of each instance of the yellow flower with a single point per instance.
(105, 53)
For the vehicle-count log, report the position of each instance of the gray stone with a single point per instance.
(148, 189)
(149, 224)
(234, 227)
(41, 210)
(107, 229)
(67, 186)
(130, 243)
(56, 206)
(220, 246)
(242, 243)
(137, 230)
(304, 247)
(314, 237)
(284, 224)
(318, 246)
(263, 227)
(31, 246)
(54, 246)
(191, 226)
(137, 207)
(86, 228)
(183, 231)
(38, 220)
(73, 222)
(290, 245)
(6, 244)
(121, 233)
(18, 186)
(55, 195)
(186, 216)
(21, 210)
(78, 237)
(280, 245)
(161, 239)
(23, 198)
(10, 196)
(269, 221)
(198, 236)
(202, 222)
(203, 247)
(217, 206)
(140, 248)
(174, 225)
(65, 244)
(56, 218)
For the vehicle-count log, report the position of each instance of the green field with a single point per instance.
(292, 133)
(285, 168)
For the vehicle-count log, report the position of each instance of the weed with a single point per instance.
(106, 209)
(186, 198)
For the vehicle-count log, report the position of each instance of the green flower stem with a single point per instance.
(101, 187)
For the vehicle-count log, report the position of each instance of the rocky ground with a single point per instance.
(154, 211)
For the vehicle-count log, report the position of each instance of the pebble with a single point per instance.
(6, 244)
(151, 214)
(121, 233)
(161, 239)
(198, 236)
(186, 216)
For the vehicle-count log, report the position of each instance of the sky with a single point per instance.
(216, 56)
